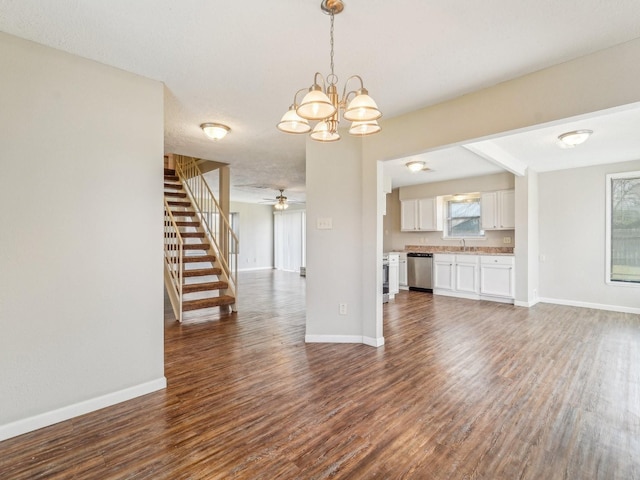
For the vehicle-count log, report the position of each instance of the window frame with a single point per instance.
(467, 198)
(608, 227)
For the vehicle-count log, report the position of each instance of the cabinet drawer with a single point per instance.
(497, 260)
(443, 257)
(472, 259)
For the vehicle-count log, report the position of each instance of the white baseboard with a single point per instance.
(530, 304)
(374, 342)
(254, 269)
(597, 306)
(65, 413)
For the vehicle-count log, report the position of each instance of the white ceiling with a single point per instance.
(239, 63)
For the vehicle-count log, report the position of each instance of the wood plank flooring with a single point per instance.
(461, 390)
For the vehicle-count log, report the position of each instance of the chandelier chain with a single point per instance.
(332, 78)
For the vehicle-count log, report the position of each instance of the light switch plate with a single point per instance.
(324, 223)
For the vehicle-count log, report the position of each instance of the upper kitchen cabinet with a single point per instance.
(423, 214)
(498, 210)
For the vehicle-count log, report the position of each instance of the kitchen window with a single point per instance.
(623, 229)
(463, 217)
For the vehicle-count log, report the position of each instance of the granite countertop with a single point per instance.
(459, 250)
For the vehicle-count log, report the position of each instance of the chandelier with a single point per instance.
(323, 105)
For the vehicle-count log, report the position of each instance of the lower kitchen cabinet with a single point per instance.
(486, 277)
(497, 278)
(394, 280)
(456, 275)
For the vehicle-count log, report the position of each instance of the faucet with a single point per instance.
(464, 245)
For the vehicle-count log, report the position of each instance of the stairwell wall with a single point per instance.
(81, 290)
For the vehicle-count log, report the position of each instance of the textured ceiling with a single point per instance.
(239, 63)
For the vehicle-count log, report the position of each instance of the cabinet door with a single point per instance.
(467, 276)
(508, 209)
(394, 286)
(408, 215)
(427, 214)
(402, 272)
(443, 273)
(496, 280)
(488, 211)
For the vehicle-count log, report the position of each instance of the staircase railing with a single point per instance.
(173, 249)
(216, 224)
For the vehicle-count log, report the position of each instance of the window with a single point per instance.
(623, 228)
(463, 217)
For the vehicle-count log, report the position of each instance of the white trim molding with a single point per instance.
(373, 342)
(596, 306)
(41, 420)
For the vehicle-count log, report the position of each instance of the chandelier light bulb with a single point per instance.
(291, 122)
(322, 133)
(364, 128)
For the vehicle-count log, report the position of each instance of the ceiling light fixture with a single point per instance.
(415, 166)
(322, 104)
(215, 131)
(282, 201)
(572, 139)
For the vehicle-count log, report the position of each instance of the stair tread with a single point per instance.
(171, 178)
(174, 186)
(186, 213)
(205, 286)
(199, 259)
(196, 246)
(169, 171)
(186, 223)
(220, 301)
(202, 272)
(175, 194)
(192, 234)
(178, 203)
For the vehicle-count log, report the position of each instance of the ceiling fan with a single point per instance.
(281, 202)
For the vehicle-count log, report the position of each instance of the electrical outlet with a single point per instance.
(506, 240)
(342, 308)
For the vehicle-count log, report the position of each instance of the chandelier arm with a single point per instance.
(315, 81)
(346, 94)
(295, 97)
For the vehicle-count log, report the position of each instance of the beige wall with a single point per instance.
(81, 305)
(256, 235)
(572, 238)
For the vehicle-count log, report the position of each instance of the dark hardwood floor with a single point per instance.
(462, 390)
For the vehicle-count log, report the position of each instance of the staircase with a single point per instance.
(196, 275)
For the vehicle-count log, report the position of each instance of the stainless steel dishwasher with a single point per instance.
(420, 271)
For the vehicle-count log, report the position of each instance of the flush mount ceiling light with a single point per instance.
(323, 105)
(215, 131)
(415, 166)
(572, 139)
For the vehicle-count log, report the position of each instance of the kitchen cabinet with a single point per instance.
(478, 277)
(456, 275)
(497, 278)
(394, 286)
(423, 214)
(498, 210)
(402, 270)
